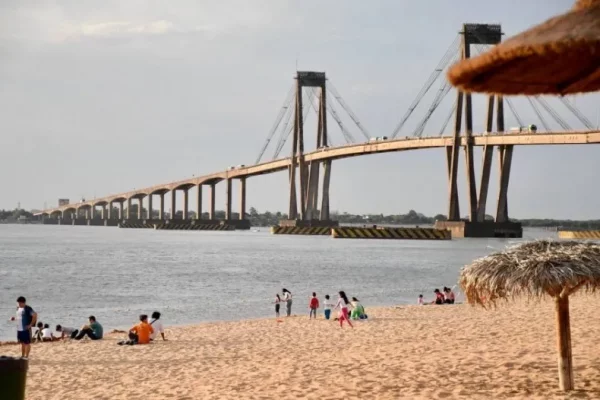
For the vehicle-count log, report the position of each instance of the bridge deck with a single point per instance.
(353, 150)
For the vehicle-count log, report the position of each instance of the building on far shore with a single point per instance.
(63, 202)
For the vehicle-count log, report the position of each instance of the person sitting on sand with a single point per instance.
(358, 311)
(94, 330)
(157, 326)
(37, 336)
(448, 296)
(66, 332)
(439, 297)
(140, 333)
(47, 334)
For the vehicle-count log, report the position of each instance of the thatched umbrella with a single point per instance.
(535, 270)
(559, 56)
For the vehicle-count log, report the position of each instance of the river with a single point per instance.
(68, 273)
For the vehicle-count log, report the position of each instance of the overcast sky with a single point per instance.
(102, 97)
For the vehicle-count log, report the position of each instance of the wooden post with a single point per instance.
(565, 358)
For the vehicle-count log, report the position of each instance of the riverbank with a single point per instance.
(400, 352)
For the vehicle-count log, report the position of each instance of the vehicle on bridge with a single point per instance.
(524, 129)
(378, 139)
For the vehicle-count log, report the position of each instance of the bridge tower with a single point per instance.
(309, 173)
(476, 224)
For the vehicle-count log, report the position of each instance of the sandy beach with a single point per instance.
(400, 352)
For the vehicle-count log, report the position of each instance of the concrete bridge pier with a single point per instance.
(227, 199)
(150, 209)
(211, 204)
(242, 198)
(161, 206)
(199, 203)
(476, 225)
(186, 202)
(173, 204)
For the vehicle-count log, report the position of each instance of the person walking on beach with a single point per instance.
(287, 297)
(343, 304)
(278, 302)
(313, 305)
(94, 330)
(26, 319)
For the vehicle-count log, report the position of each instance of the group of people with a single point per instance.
(446, 296)
(347, 309)
(27, 319)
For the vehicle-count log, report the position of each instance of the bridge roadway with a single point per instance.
(352, 150)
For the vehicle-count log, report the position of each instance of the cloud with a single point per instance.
(108, 29)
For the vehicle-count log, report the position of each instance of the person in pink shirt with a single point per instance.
(343, 305)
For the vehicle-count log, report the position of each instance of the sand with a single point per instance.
(427, 352)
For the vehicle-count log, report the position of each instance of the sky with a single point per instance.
(103, 97)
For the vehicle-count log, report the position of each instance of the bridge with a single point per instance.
(305, 167)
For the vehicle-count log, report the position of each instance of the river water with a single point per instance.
(70, 272)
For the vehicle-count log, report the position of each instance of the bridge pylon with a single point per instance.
(476, 224)
(308, 174)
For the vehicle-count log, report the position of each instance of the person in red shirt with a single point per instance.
(313, 305)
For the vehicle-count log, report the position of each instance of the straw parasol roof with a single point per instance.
(559, 56)
(534, 270)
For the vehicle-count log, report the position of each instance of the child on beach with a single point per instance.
(66, 332)
(157, 326)
(439, 297)
(47, 334)
(343, 304)
(420, 300)
(37, 336)
(313, 305)
(327, 307)
(287, 298)
(277, 302)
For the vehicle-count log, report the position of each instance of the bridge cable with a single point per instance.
(553, 113)
(283, 131)
(346, 107)
(513, 111)
(333, 115)
(443, 63)
(441, 94)
(449, 117)
(284, 109)
(539, 114)
(573, 108)
(332, 110)
(305, 112)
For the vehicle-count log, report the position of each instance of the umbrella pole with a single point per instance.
(565, 358)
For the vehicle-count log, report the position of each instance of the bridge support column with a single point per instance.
(186, 204)
(452, 155)
(173, 204)
(211, 204)
(140, 211)
(121, 213)
(150, 211)
(109, 210)
(129, 213)
(103, 212)
(505, 156)
(242, 198)
(161, 206)
(486, 164)
(325, 192)
(199, 203)
(227, 199)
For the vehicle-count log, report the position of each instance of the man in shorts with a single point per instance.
(26, 318)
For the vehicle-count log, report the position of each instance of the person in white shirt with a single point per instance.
(66, 332)
(327, 307)
(26, 319)
(47, 334)
(343, 304)
(157, 326)
(287, 297)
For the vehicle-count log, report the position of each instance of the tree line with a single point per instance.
(269, 218)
